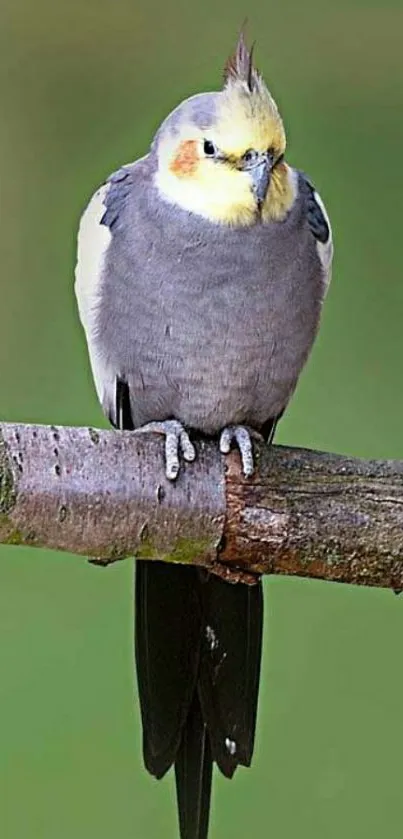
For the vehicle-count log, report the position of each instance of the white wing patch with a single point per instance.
(93, 241)
(325, 249)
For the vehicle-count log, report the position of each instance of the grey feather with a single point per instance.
(120, 185)
(239, 66)
(199, 110)
(206, 323)
(316, 217)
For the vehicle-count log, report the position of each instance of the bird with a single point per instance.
(201, 273)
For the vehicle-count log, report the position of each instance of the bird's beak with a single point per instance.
(260, 174)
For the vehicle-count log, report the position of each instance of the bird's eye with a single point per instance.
(209, 148)
(249, 156)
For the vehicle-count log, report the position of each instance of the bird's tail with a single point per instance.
(193, 772)
(198, 651)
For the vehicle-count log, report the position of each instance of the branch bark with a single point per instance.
(103, 494)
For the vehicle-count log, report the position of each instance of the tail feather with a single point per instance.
(193, 771)
(167, 642)
(230, 669)
(198, 649)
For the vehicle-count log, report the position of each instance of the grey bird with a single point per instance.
(202, 270)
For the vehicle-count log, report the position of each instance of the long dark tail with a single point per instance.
(193, 772)
(198, 651)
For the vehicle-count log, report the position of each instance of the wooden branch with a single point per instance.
(103, 494)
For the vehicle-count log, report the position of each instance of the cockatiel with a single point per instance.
(201, 274)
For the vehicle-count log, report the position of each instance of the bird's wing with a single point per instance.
(319, 224)
(315, 216)
(97, 225)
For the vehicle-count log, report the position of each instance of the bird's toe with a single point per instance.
(177, 441)
(241, 436)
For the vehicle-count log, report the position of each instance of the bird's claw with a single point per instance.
(177, 441)
(241, 436)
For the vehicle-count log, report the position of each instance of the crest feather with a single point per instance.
(240, 68)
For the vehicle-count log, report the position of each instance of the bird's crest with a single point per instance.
(248, 116)
(239, 66)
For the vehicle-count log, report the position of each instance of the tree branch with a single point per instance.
(103, 494)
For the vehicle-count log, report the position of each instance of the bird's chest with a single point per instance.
(213, 335)
(206, 316)
(212, 349)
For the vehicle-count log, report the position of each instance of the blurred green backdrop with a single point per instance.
(83, 85)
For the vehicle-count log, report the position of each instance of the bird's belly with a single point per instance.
(213, 355)
(226, 390)
(208, 384)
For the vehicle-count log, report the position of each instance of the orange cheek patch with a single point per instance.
(186, 161)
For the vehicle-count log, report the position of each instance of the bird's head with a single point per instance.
(221, 155)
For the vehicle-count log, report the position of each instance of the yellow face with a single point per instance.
(215, 172)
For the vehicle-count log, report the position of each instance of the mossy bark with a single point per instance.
(7, 482)
(104, 495)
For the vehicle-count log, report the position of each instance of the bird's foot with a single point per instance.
(242, 437)
(177, 441)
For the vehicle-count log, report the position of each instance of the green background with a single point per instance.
(83, 85)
